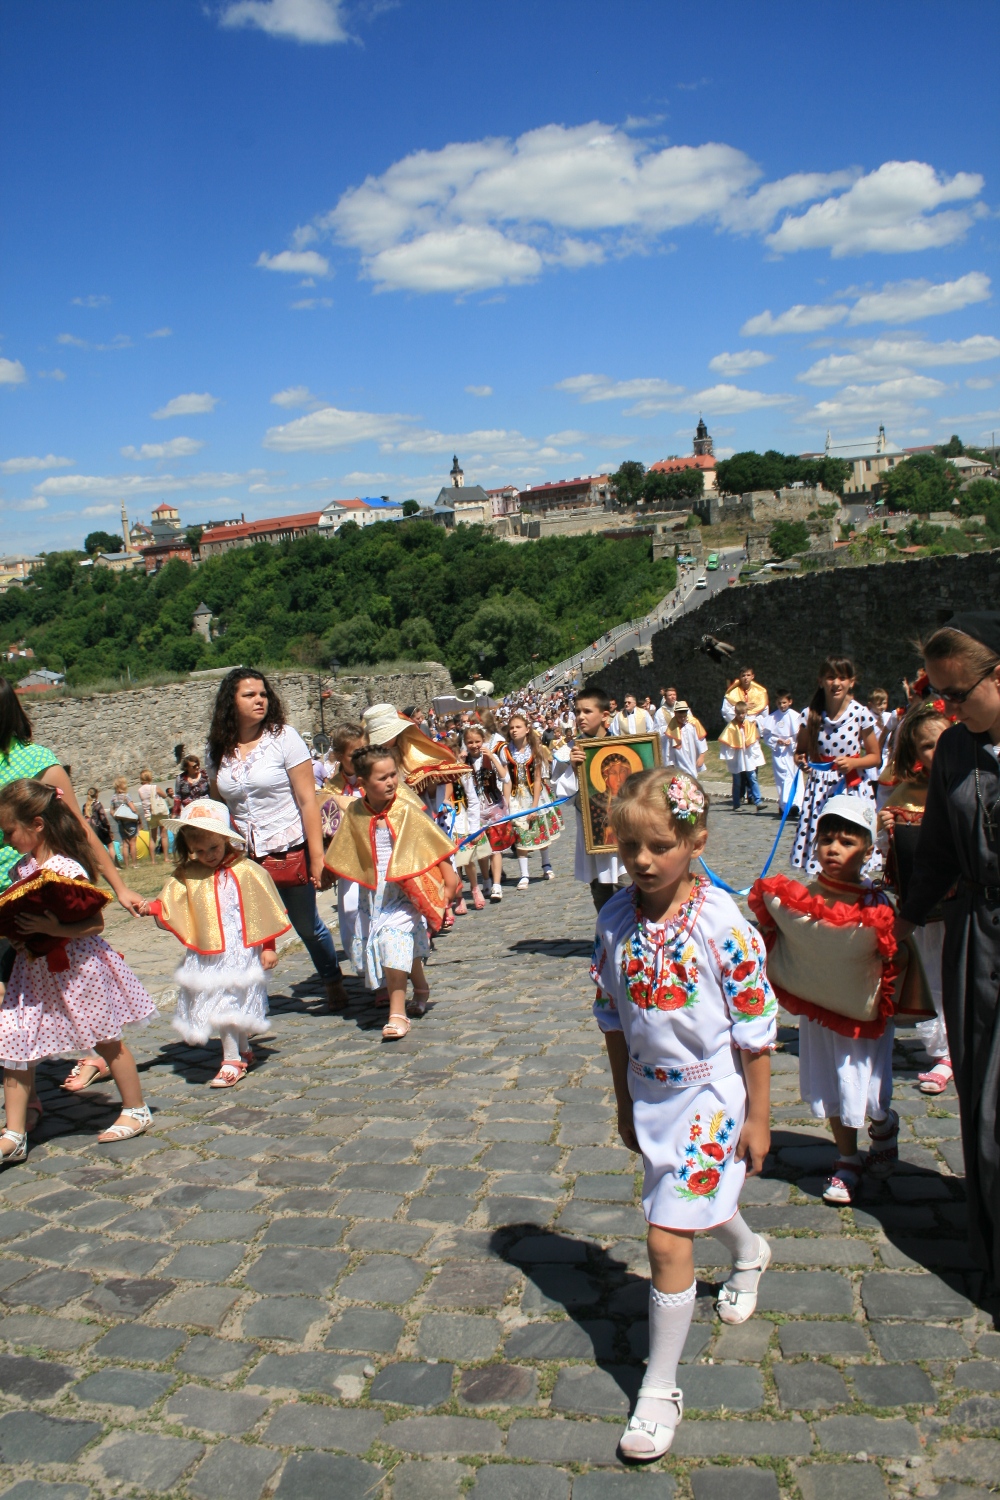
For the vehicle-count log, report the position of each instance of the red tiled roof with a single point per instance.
(257, 528)
(692, 461)
(563, 484)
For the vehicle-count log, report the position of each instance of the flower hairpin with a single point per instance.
(686, 799)
(938, 705)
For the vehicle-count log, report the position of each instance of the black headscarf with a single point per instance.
(982, 624)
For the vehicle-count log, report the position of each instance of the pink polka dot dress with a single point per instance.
(47, 1015)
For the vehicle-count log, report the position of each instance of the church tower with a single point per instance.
(703, 440)
(457, 473)
(125, 535)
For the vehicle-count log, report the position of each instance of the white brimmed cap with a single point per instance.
(384, 723)
(208, 816)
(856, 810)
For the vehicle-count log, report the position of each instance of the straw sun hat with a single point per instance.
(207, 816)
(383, 723)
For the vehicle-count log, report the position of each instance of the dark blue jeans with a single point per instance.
(300, 904)
(746, 781)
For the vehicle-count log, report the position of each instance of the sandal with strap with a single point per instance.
(20, 1151)
(78, 1078)
(844, 1182)
(478, 900)
(938, 1079)
(644, 1441)
(883, 1154)
(461, 910)
(736, 1306)
(121, 1131)
(249, 1057)
(395, 1029)
(229, 1074)
(417, 1007)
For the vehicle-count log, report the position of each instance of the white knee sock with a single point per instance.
(742, 1244)
(243, 1041)
(670, 1315)
(522, 865)
(230, 1039)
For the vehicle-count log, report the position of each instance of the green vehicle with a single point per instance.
(712, 562)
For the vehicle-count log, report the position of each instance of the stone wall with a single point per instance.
(785, 628)
(115, 734)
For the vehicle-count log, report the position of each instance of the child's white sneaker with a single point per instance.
(737, 1304)
(523, 883)
(496, 894)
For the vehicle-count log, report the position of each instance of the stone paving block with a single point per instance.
(548, 1249)
(741, 1483)
(41, 1489)
(708, 1387)
(214, 1357)
(305, 1230)
(804, 1293)
(49, 1289)
(602, 1219)
(822, 1251)
(976, 1461)
(518, 1210)
(891, 1437)
(283, 1317)
(474, 1436)
(402, 1239)
(946, 1255)
(822, 1338)
(32, 1379)
(370, 1330)
(918, 1189)
(15, 1224)
(893, 1385)
(981, 1413)
(363, 1204)
(461, 1336)
(383, 1278)
(511, 1157)
(12, 1271)
(768, 1190)
(204, 1262)
(425, 1208)
(290, 1173)
(743, 1341)
(410, 1383)
(30, 1437)
(553, 1288)
(483, 1285)
(841, 1482)
(809, 1386)
(888, 1294)
(988, 1345)
(138, 1344)
(121, 1297)
(601, 1159)
(138, 1388)
(234, 1471)
(566, 1339)
(605, 1187)
(520, 1482)
(319, 1476)
(290, 1269)
(498, 1385)
(737, 1439)
(208, 1307)
(978, 1375)
(563, 1441)
(205, 1227)
(455, 1183)
(427, 1479)
(391, 1179)
(816, 1217)
(918, 1341)
(528, 1185)
(60, 1335)
(329, 1374)
(298, 1425)
(226, 1412)
(631, 1486)
(598, 1392)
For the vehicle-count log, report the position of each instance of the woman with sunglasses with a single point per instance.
(959, 846)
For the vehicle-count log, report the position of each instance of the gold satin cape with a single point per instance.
(418, 844)
(755, 698)
(189, 906)
(737, 738)
(674, 729)
(425, 763)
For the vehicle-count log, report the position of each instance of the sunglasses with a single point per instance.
(959, 695)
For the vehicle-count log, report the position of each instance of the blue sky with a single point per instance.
(260, 254)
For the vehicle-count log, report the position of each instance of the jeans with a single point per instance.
(746, 781)
(300, 904)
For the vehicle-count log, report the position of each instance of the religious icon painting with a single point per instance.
(608, 764)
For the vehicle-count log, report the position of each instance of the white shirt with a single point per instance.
(684, 753)
(780, 726)
(637, 722)
(258, 793)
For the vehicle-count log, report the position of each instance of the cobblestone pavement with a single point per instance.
(421, 1266)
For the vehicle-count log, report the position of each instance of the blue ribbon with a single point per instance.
(532, 812)
(724, 885)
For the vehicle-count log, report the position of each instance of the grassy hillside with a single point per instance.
(407, 590)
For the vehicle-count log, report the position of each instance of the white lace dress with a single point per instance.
(222, 989)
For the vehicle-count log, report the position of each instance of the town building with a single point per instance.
(158, 554)
(970, 468)
(15, 570)
(220, 539)
(165, 522)
(118, 562)
(363, 512)
(586, 492)
(139, 535)
(702, 456)
(201, 622)
(869, 459)
(19, 652)
(461, 504)
(39, 681)
(505, 502)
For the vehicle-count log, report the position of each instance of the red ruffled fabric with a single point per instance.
(880, 919)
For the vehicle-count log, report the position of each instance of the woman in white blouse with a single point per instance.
(260, 767)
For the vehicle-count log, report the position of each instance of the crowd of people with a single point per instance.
(411, 815)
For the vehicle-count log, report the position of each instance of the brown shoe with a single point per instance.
(337, 998)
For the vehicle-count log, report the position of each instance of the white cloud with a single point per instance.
(37, 502)
(294, 395)
(897, 356)
(329, 428)
(178, 447)
(888, 400)
(92, 301)
(479, 390)
(52, 374)
(588, 388)
(160, 333)
(310, 21)
(71, 338)
(740, 362)
(305, 304)
(12, 372)
(980, 383)
(890, 211)
(100, 510)
(295, 262)
(123, 485)
(906, 301)
(802, 318)
(467, 258)
(652, 396)
(190, 405)
(120, 341)
(33, 465)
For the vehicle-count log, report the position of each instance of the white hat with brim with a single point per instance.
(856, 810)
(680, 707)
(207, 816)
(384, 723)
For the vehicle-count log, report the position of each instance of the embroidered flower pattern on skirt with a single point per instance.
(706, 1155)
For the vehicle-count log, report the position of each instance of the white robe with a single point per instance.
(774, 728)
(684, 753)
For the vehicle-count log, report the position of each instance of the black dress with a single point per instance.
(957, 845)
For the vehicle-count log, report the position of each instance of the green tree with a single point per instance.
(411, 507)
(773, 470)
(628, 481)
(953, 448)
(979, 497)
(786, 538)
(193, 537)
(920, 484)
(664, 490)
(101, 541)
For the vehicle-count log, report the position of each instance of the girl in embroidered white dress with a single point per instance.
(837, 743)
(523, 757)
(689, 1020)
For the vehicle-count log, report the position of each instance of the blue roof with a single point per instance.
(377, 503)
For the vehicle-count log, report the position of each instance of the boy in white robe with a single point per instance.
(780, 731)
(684, 747)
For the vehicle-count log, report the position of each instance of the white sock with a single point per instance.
(670, 1315)
(243, 1041)
(522, 865)
(742, 1244)
(230, 1039)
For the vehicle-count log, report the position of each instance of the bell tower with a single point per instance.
(703, 441)
(457, 473)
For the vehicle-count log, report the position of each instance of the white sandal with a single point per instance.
(119, 1131)
(734, 1306)
(651, 1440)
(20, 1151)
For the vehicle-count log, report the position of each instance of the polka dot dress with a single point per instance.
(843, 736)
(47, 1015)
